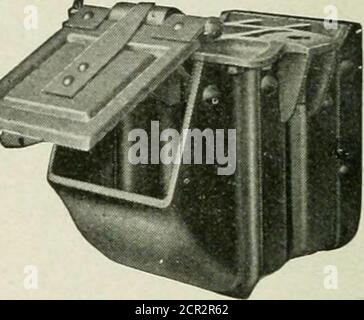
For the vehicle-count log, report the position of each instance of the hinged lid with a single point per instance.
(75, 88)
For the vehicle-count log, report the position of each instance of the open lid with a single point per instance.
(81, 83)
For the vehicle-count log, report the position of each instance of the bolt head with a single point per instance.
(83, 67)
(67, 81)
(269, 85)
(88, 15)
(215, 101)
(178, 26)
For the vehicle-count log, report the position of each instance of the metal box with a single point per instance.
(291, 89)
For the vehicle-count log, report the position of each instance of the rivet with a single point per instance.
(269, 84)
(88, 15)
(67, 81)
(215, 101)
(178, 26)
(343, 169)
(186, 181)
(72, 11)
(83, 67)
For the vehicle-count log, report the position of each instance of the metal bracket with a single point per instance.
(75, 76)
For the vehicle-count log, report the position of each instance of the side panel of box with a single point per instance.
(325, 160)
